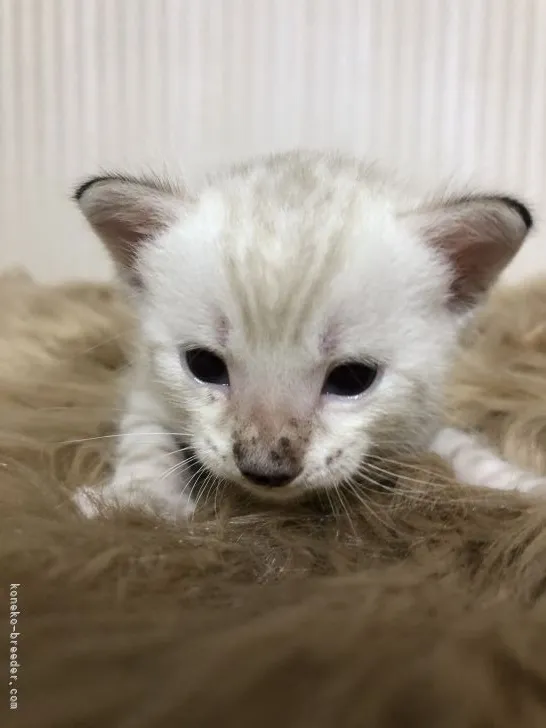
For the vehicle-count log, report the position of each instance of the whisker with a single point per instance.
(88, 350)
(122, 434)
(345, 507)
(192, 484)
(173, 469)
(419, 495)
(181, 450)
(327, 493)
(380, 486)
(218, 485)
(203, 489)
(431, 493)
(402, 465)
(360, 497)
(398, 476)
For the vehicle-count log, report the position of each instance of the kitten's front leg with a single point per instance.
(475, 464)
(149, 474)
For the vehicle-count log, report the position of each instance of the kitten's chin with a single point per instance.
(283, 494)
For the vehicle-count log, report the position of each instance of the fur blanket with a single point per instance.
(424, 605)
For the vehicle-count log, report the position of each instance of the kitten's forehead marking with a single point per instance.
(330, 338)
(279, 280)
(222, 330)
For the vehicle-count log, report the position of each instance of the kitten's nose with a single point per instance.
(269, 479)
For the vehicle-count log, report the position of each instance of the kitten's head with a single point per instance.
(298, 314)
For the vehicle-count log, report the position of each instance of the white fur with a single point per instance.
(284, 267)
(475, 464)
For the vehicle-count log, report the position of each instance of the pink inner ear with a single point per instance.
(125, 237)
(478, 236)
(126, 213)
(126, 229)
(124, 243)
(475, 264)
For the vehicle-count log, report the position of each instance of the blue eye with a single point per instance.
(350, 380)
(207, 367)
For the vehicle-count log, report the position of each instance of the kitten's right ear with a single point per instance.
(127, 213)
(478, 236)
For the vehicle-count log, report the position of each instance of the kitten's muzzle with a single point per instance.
(271, 459)
(269, 467)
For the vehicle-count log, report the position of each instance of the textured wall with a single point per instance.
(440, 86)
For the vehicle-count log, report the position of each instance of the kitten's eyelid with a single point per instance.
(210, 346)
(348, 360)
(204, 343)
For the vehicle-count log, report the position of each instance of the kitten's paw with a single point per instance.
(168, 503)
(476, 464)
(94, 502)
(86, 501)
(538, 486)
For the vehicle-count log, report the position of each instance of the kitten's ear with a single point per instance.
(479, 235)
(126, 213)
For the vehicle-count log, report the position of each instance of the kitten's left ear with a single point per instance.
(479, 235)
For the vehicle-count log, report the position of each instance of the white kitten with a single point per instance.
(298, 315)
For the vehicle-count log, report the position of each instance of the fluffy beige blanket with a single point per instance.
(425, 606)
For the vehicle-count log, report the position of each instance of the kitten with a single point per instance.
(298, 315)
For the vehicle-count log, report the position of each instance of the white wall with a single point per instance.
(439, 86)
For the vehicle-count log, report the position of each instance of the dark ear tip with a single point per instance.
(80, 191)
(522, 209)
